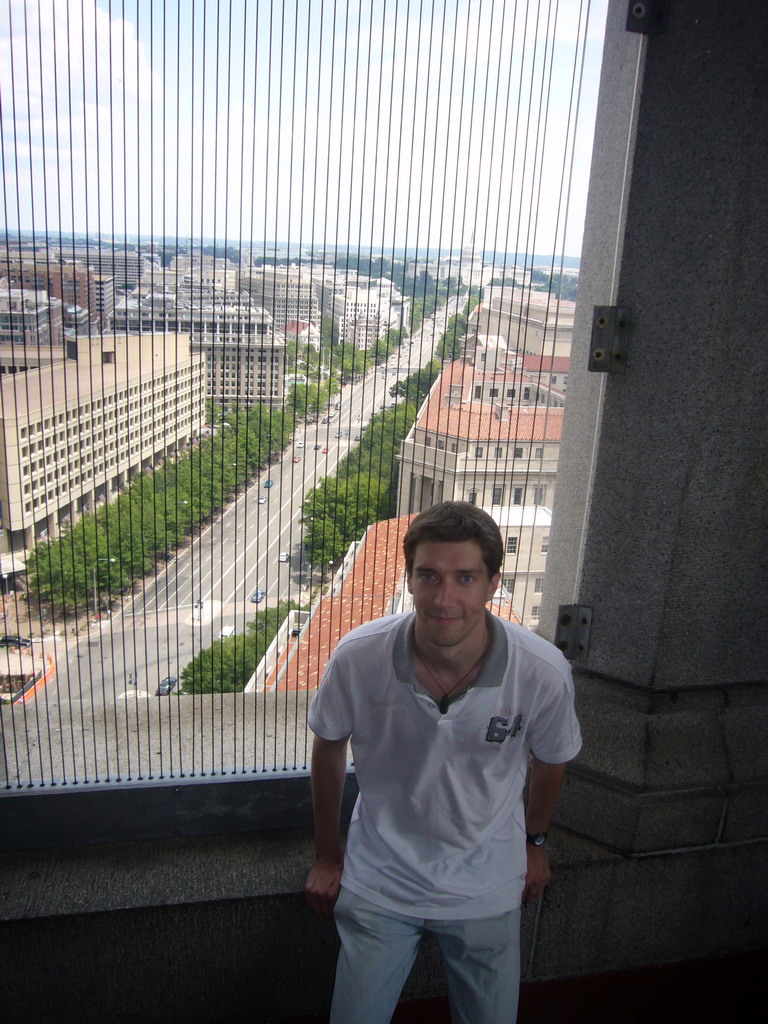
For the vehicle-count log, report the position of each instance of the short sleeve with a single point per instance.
(554, 735)
(330, 713)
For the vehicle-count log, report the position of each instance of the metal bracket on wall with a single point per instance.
(648, 17)
(610, 335)
(572, 631)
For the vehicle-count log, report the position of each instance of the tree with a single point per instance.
(415, 388)
(228, 664)
(339, 511)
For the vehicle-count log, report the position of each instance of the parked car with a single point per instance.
(324, 451)
(297, 458)
(317, 447)
(299, 444)
(165, 686)
(269, 483)
(257, 596)
(262, 500)
(283, 556)
(12, 640)
(337, 434)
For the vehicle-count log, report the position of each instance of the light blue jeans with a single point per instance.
(378, 947)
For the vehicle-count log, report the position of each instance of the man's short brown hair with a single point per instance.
(456, 521)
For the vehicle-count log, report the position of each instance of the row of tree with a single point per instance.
(228, 664)
(109, 548)
(364, 490)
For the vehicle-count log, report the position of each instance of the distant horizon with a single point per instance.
(293, 250)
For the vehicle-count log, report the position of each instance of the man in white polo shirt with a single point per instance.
(445, 708)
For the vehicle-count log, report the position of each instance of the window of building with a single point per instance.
(498, 453)
(511, 545)
(539, 495)
(544, 545)
(472, 497)
(479, 453)
(538, 586)
(498, 495)
(517, 496)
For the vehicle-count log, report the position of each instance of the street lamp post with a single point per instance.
(95, 595)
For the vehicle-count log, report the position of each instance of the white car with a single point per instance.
(226, 631)
(283, 556)
(299, 444)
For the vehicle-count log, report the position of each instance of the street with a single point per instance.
(208, 585)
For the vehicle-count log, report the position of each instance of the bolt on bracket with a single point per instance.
(572, 630)
(648, 16)
(610, 336)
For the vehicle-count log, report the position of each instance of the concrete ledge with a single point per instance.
(215, 929)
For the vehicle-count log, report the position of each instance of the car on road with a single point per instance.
(165, 686)
(317, 447)
(357, 437)
(262, 500)
(269, 483)
(297, 458)
(323, 451)
(13, 640)
(258, 596)
(226, 631)
(283, 556)
(337, 434)
(299, 444)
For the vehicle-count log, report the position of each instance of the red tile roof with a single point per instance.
(365, 594)
(472, 420)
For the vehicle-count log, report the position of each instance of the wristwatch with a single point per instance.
(537, 839)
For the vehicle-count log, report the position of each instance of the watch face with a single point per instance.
(538, 839)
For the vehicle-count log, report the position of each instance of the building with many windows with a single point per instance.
(366, 310)
(72, 434)
(530, 322)
(287, 293)
(488, 452)
(525, 532)
(245, 358)
(30, 319)
(72, 285)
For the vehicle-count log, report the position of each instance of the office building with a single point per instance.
(287, 293)
(29, 319)
(245, 358)
(491, 453)
(73, 433)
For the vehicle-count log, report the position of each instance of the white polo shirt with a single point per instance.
(438, 830)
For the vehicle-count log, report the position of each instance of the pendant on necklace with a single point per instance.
(443, 705)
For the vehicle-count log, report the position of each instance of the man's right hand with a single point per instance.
(322, 888)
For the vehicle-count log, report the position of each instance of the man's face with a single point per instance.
(450, 586)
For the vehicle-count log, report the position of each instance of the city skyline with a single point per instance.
(304, 122)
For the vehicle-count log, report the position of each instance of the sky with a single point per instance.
(381, 123)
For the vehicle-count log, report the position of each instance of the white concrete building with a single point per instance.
(287, 293)
(73, 433)
(463, 448)
(525, 533)
(245, 357)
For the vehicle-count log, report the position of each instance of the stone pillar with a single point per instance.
(661, 515)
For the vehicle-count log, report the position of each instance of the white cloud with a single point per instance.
(387, 132)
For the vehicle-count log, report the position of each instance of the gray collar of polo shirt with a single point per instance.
(491, 671)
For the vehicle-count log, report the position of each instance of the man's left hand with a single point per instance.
(538, 875)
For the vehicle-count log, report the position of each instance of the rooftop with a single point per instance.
(472, 420)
